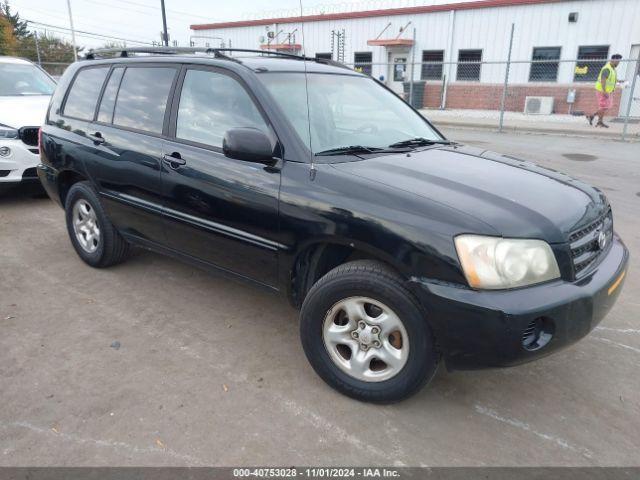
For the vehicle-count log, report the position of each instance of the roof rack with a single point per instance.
(217, 52)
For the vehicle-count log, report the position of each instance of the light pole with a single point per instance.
(73, 31)
(165, 34)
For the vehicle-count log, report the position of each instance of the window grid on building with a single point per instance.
(469, 62)
(432, 71)
(543, 66)
(591, 59)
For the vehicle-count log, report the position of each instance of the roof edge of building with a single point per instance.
(372, 13)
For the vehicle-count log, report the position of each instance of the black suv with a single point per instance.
(305, 177)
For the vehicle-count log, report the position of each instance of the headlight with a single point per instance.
(494, 263)
(8, 132)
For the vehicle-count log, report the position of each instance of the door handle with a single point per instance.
(97, 138)
(174, 160)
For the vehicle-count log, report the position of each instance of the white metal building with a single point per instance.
(382, 41)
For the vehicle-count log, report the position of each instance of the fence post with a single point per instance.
(413, 59)
(506, 79)
(35, 35)
(636, 72)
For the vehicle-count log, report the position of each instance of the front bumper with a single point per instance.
(478, 329)
(20, 165)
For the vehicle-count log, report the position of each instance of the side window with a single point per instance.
(105, 114)
(84, 92)
(142, 98)
(210, 104)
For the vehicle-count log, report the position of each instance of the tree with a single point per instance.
(20, 27)
(8, 42)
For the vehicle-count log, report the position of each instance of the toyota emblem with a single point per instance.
(602, 240)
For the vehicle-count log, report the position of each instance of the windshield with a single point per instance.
(24, 79)
(345, 110)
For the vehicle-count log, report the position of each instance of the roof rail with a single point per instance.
(217, 52)
(124, 52)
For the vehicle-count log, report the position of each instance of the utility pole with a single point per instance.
(165, 34)
(35, 36)
(73, 31)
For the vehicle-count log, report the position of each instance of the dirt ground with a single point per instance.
(155, 362)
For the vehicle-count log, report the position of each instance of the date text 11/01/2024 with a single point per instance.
(320, 472)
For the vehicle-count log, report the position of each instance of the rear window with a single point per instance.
(84, 93)
(142, 98)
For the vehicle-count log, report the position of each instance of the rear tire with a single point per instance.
(359, 315)
(92, 234)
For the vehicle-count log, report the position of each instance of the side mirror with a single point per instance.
(248, 144)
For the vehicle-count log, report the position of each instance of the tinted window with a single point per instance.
(84, 93)
(362, 62)
(543, 68)
(432, 64)
(469, 64)
(588, 71)
(210, 104)
(105, 114)
(142, 98)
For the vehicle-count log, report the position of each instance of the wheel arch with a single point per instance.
(66, 179)
(316, 258)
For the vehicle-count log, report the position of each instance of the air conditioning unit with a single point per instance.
(538, 105)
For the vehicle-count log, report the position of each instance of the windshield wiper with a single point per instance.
(419, 142)
(352, 149)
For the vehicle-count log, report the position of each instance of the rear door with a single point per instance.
(219, 210)
(127, 133)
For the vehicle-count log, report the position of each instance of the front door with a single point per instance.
(219, 210)
(633, 64)
(397, 73)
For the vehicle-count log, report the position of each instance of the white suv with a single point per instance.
(25, 91)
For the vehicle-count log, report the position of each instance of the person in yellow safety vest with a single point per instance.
(605, 85)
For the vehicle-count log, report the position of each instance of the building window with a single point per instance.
(430, 70)
(324, 56)
(544, 68)
(469, 65)
(362, 62)
(590, 60)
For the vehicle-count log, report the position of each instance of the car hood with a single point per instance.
(517, 198)
(23, 111)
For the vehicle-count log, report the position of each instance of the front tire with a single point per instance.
(92, 235)
(365, 335)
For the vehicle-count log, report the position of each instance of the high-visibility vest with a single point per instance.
(610, 83)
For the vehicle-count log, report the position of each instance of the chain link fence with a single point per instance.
(542, 94)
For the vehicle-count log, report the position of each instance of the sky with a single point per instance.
(141, 20)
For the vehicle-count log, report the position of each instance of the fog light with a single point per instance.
(537, 334)
(5, 151)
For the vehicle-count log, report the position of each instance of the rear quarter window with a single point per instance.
(84, 92)
(143, 97)
(105, 113)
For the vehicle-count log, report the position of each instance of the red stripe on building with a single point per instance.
(374, 13)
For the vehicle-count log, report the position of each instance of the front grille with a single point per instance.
(585, 245)
(29, 135)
